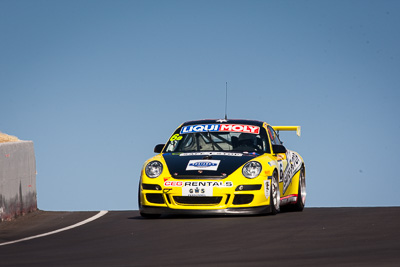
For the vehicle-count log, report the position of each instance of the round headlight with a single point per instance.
(153, 169)
(251, 169)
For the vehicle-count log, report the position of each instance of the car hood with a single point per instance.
(201, 165)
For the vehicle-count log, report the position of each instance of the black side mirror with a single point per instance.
(278, 149)
(159, 148)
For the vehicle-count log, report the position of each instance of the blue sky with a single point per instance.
(97, 84)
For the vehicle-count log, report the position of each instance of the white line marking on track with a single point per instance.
(98, 215)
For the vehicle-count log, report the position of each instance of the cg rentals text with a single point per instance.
(208, 183)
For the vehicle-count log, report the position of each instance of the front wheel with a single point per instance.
(301, 195)
(275, 194)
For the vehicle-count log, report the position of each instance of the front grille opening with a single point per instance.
(197, 200)
(248, 187)
(151, 187)
(243, 199)
(155, 198)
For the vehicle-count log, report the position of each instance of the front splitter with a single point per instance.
(221, 212)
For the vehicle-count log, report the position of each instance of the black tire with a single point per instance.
(275, 194)
(138, 196)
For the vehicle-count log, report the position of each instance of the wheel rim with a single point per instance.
(303, 188)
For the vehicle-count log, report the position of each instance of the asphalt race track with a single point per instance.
(316, 236)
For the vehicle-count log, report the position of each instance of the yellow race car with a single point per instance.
(223, 167)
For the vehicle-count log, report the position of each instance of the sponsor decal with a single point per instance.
(202, 188)
(267, 189)
(200, 128)
(195, 191)
(293, 166)
(211, 154)
(289, 199)
(240, 128)
(196, 188)
(272, 163)
(220, 128)
(208, 183)
(208, 165)
(173, 183)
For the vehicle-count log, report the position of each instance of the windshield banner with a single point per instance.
(201, 128)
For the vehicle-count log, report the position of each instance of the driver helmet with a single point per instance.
(247, 139)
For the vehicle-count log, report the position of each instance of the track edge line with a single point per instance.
(95, 217)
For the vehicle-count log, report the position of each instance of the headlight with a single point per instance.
(153, 169)
(251, 169)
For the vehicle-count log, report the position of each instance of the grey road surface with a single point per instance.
(314, 237)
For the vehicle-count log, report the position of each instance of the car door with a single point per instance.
(279, 157)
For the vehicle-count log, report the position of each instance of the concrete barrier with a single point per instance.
(17, 179)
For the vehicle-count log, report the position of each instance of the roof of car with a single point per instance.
(223, 121)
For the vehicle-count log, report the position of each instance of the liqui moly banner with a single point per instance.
(201, 128)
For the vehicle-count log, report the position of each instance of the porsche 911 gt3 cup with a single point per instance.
(223, 167)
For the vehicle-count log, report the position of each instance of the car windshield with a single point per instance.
(213, 140)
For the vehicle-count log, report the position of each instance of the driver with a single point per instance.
(247, 142)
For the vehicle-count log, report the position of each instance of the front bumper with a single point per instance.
(230, 196)
(250, 199)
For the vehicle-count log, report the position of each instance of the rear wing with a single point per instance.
(288, 128)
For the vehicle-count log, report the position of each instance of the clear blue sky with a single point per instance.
(97, 84)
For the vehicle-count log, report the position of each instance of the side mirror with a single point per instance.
(159, 148)
(278, 149)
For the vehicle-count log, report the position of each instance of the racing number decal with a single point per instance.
(280, 170)
(175, 137)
